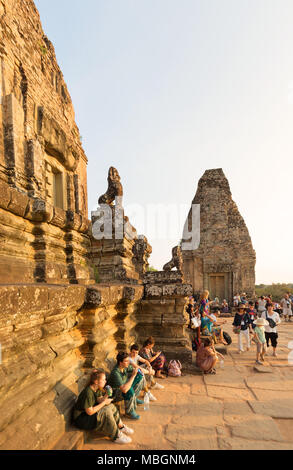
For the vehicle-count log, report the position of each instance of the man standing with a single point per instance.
(286, 306)
(242, 323)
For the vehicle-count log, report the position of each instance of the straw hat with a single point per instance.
(241, 305)
(261, 322)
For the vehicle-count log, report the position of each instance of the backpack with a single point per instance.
(174, 368)
(272, 323)
(227, 338)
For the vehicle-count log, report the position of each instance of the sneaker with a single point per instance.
(275, 354)
(158, 386)
(139, 402)
(133, 415)
(240, 352)
(126, 430)
(151, 397)
(259, 363)
(122, 439)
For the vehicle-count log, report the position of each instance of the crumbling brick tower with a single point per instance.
(224, 262)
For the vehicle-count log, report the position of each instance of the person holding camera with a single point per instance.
(271, 333)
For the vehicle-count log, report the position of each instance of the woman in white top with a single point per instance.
(271, 333)
(261, 305)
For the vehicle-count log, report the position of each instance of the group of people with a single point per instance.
(203, 321)
(284, 308)
(258, 326)
(254, 322)
(134, 374)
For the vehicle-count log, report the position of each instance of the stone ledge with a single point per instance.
(73, 439)
(102, 294)
(37, 210)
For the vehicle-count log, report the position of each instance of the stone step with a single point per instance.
(74, 439)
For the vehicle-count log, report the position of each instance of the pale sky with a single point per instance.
(165, 89)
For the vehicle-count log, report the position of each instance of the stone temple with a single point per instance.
(224, 262)
(69, 299)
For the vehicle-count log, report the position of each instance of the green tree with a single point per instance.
(276, 290)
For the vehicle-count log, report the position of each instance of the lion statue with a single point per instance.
(114, 190)
(176, 261)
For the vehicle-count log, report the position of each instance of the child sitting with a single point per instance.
(259, 339)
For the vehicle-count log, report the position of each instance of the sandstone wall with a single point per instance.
(50, 337)
(43, 203)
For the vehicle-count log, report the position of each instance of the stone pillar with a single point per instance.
(162, 314)
(120, 256)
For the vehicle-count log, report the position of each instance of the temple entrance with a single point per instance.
(217, 286)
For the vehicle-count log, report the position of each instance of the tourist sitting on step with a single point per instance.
(147, 371)
(207, 357)
(94, 411)
(225, 306)
(217, 329)
(157, 360)
(127, 383)
(207, 322)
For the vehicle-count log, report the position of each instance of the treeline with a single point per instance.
(277, 290)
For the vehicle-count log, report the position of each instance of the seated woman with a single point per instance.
(157, 360)
(94, 410)
(206, 356)
(225, 306)
(217, 329)
(207, 322)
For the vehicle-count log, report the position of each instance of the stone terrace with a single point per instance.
(239, 408)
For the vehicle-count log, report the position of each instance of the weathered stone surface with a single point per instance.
(228, 393)
(72, 440)
(192, 437)
(269, 382)
(39, 139)
(230, 380)
(269, 404)
(262, 369)
(262, 428)
(285, 426)
(201, 410)
(244, 444)
(236, 411)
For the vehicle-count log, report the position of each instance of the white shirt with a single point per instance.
(135, 360)
(261, 304)
(275, 316)
(285, 305)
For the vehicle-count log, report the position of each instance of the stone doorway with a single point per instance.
(217, 286)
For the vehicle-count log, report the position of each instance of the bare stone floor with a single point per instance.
(238, 408)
